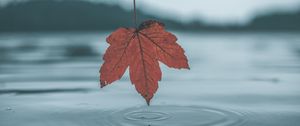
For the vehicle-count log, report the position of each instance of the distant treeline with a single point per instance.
(76, 15)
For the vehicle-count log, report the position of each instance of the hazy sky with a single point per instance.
(223, 11)
(214, 10)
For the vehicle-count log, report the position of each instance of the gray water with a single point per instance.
(236, 79)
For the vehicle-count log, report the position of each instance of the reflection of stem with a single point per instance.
(134, 10)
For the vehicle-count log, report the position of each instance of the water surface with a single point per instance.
(241, 79)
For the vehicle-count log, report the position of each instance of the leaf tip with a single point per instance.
(148, 102)
(102, 83)
(148, 99)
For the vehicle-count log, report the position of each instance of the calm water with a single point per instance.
(242, 79)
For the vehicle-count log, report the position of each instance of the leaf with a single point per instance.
(140, 49)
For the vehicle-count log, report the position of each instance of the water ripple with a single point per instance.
(174, 116)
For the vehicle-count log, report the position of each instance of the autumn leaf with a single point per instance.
(140, 49)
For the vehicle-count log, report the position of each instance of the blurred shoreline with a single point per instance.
(81, 16)
(95, 32)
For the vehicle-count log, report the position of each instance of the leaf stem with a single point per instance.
(134, 11)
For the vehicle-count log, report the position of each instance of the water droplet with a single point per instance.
(8, 109)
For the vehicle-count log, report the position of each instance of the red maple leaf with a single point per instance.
(140, 49)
